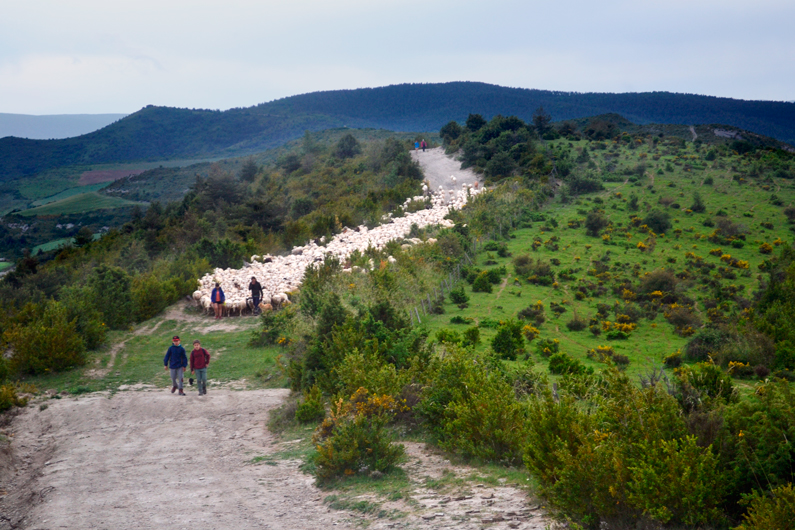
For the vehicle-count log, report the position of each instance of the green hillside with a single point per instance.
(80, 203)
(615, 310)
(161, 133)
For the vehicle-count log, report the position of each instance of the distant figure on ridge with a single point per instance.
(424, 145)
(416, 146)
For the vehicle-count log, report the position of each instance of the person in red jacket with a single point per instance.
(199, 360)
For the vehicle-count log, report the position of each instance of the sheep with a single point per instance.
(280, 274)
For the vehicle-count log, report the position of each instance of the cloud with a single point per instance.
(89, 56)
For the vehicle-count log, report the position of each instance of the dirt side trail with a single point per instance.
(438, 167)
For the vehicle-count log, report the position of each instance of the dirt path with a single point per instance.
(151, 460)
(155, 460)
(438, 167)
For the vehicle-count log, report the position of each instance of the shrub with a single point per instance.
(449, 336)
(110, 293)
(562, 363)
(311, 408)
(577, 323)
(633, 439)
(487, 422)
(9, 398)
(704, 343)
(710, 383)
(547, 347)
(458, 319)
(698, 203)
(523, 265)
(276, 325)
(533, 313)
(47, 344)
(481, 283)
(458, 296)
(771, 510)
(658, 221)
(354, 438)
(595, 222)
(508, 341)
(673, 360)
(471, 336)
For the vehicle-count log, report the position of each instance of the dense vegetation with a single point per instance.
(622, 326)
(65, 300)
(159, 133)
(708, 420)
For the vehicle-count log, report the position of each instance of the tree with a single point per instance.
(347, 147)
(450, 132)
(500, 166)
(595, 222)
(658, 221)
(698, 203)
(84, 236)
(249, 170)
(475, 122)
(542, 121)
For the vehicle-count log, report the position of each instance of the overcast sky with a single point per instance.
(82, 56)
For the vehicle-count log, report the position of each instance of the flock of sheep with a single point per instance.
(280, 275)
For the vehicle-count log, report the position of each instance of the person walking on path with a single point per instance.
(176, 361)
(256, 293)
(416, 146)
(424, 145)
(218, 298)
(199, 361)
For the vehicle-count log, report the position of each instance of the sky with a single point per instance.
(85, 56)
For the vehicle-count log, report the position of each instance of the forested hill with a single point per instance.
(157, 133)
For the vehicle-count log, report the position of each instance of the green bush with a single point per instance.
(311, 408)
(659, 221)
(458, 296)
(632, 439)
(47, 344)
(151, 294)
(354, 439)
(110, 293)
(9, 398)
(562, 363)
(770, 511)
(276, 325)
(482, 283)
(471, 336)
(547, 347)
(508, 342)
(486, 423)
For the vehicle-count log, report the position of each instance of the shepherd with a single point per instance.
(176, 361)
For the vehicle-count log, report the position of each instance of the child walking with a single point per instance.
(199, 360)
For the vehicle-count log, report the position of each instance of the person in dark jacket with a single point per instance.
(256, 293)
(218, 298)
(176, 361)
(199, 361)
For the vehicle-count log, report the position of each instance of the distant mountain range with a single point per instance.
(54, 126)
(161, 133)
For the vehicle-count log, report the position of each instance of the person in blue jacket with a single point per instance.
(218, 298)
(176, 360)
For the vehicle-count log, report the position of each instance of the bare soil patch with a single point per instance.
(106, 175)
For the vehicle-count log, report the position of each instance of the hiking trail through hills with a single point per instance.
(142, 457)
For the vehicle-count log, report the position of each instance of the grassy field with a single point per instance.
(69, 193)
(84, 202)
(574, 257)
(135, 357)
